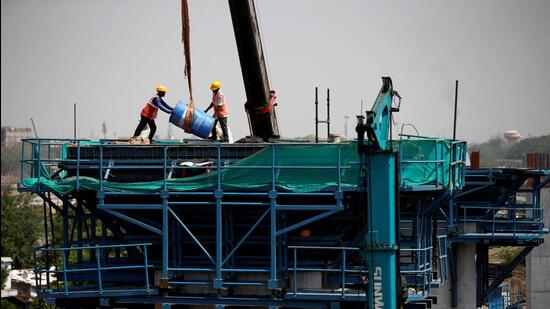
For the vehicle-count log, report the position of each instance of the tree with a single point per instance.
(497, 148)
(5, 274)
(6, 304)
(529, 145)
(20, 228)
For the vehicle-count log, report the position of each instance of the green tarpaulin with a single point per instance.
(298, 168)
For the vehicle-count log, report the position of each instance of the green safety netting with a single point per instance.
(299, 168)
(428, 161)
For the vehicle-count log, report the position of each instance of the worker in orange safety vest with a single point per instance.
(221, 111)
(150, 111)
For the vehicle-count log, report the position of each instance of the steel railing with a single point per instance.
(341, 269)
(98, 257)
(453, 170)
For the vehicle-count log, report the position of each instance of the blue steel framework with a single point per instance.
(489, 213)
(419, 272)
(218, 261)
(104, 264)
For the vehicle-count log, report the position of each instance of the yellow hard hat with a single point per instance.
(215, 85)
(161, 88)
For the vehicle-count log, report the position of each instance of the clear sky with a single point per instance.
(108, 56)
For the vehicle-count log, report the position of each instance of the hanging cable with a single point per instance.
(185, 38)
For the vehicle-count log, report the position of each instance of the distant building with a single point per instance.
(7, 290)
(512, 136)
(11, 136)
(21, 283)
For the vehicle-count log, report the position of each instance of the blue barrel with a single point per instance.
(202, 122)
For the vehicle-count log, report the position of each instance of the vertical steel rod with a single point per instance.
(273, 240)
(47, 244)
(39, 165)
(23, 157)
(101, 172)
(456, 104)
(273, 221)
(65, 287)
(343, 272)
(295, 288)
(328, 114)
(34, 128)
(316, 116)
(77, 165)
(164, 236)
(146, 269)
(219, 214)
(74, 120)
(38, 275)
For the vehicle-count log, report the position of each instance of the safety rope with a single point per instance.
(185, 38)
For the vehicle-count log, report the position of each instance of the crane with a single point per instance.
(262, 118)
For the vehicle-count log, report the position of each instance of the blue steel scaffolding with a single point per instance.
(212, 245)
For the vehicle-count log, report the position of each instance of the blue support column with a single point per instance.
(451, 226)
(381, 240)
(164, 197)
(272, 194)
(218, 281)
(273, 282)
(218, 194)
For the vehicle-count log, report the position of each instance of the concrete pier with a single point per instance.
(466, 281)
(466, 277)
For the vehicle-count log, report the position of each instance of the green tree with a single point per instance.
(20, 228)
(529, 145)
(507, 254)
(40, 303)
(6, 304)
(497, 148)
(5, 274)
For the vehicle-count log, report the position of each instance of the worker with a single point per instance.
(221, 111)
(150, 111)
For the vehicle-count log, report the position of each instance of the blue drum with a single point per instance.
(202, 122)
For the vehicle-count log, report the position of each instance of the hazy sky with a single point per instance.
(108, 56)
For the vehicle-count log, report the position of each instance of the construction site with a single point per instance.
(218, 221)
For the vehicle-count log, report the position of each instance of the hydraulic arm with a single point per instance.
(379, 187)
(259, 105)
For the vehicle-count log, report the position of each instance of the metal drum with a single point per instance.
(202, 122)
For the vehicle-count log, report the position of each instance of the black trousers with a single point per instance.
(146, 121)
(223, 125)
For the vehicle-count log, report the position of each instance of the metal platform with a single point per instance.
(269, 246)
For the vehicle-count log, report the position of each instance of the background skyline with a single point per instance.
(107, 56)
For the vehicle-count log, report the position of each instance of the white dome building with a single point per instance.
(512, 136)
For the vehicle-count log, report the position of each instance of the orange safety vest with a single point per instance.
(150, 110)
(220, 110)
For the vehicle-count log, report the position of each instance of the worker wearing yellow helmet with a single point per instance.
(221, 111)
(150, 111)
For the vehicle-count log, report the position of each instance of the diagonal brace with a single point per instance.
(437, 203)
(191, 235)
(246, 236)
(50, 202)
(134, 221)
(544, 183)
(305, 222)
(507, 271)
